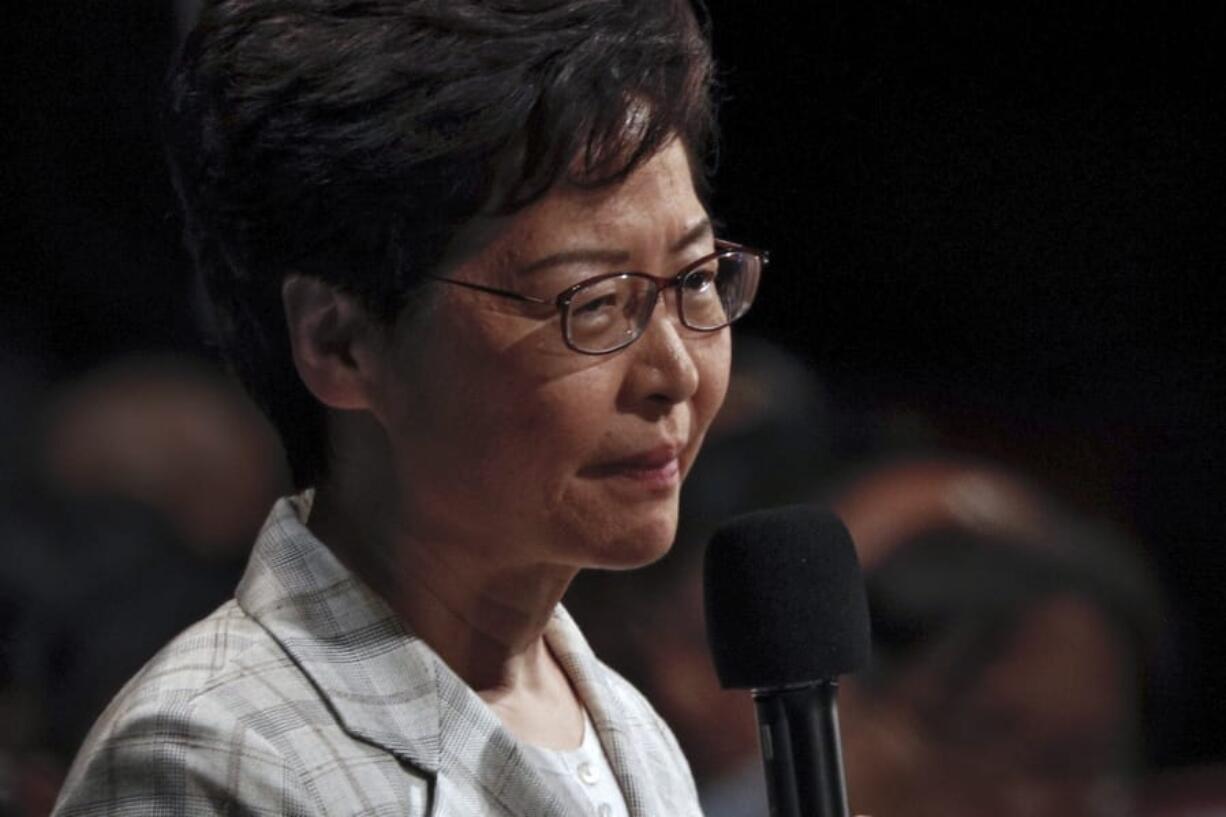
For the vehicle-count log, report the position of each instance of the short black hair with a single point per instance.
(350, 140)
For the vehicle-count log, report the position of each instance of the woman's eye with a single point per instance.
(700, 280)
(596, 305)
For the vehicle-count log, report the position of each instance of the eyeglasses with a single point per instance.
(609, 312)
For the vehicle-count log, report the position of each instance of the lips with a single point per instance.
(658, 467)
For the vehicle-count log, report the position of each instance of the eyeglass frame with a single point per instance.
(562, 300)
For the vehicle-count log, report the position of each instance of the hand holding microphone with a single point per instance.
(786, 615)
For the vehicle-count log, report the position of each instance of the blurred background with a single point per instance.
(988, 337)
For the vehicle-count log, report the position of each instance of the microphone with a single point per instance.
(786, 615)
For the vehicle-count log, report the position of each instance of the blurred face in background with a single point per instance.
(1045, 729)
(175, 437)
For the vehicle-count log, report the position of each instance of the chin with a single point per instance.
(638, 543)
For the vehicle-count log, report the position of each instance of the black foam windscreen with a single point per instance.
(784, 598)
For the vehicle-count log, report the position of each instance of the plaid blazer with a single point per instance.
(305, 695)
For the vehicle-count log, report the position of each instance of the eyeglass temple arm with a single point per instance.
(492, 290)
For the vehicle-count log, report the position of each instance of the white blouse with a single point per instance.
(583, 777)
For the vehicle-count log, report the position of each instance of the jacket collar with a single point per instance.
(608, 712)
(379, 679)
(389, 688)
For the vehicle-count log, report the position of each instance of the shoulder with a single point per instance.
(225, 665)
(222, 719)
(176, 733)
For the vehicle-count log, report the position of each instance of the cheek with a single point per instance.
(567, 420)
(485, 454)
(515, 437)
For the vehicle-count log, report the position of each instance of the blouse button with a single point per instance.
(587, 774)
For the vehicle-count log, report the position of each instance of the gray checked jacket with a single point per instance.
(304, 695)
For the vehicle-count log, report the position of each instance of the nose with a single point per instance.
(663, 370)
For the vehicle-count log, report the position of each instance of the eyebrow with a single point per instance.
(700, 230)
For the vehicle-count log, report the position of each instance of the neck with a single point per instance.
(483, 613)
(472, 597)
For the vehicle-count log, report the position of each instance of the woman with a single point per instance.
(457, 251)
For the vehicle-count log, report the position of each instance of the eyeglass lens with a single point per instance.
(612, 312)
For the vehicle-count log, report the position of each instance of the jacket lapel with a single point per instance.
(344, 638)
(476, 748)
(608, 714)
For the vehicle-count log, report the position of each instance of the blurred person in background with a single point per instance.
(174, 435)
(126, 514)
(1010, 642)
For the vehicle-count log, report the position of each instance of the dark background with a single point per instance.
(998, 222)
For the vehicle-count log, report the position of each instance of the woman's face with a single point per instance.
(505, 440)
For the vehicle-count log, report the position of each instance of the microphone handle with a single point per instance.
(799, 730)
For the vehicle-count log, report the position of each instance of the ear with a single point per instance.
(334, 341)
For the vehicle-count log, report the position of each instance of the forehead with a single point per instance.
(644, 214)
